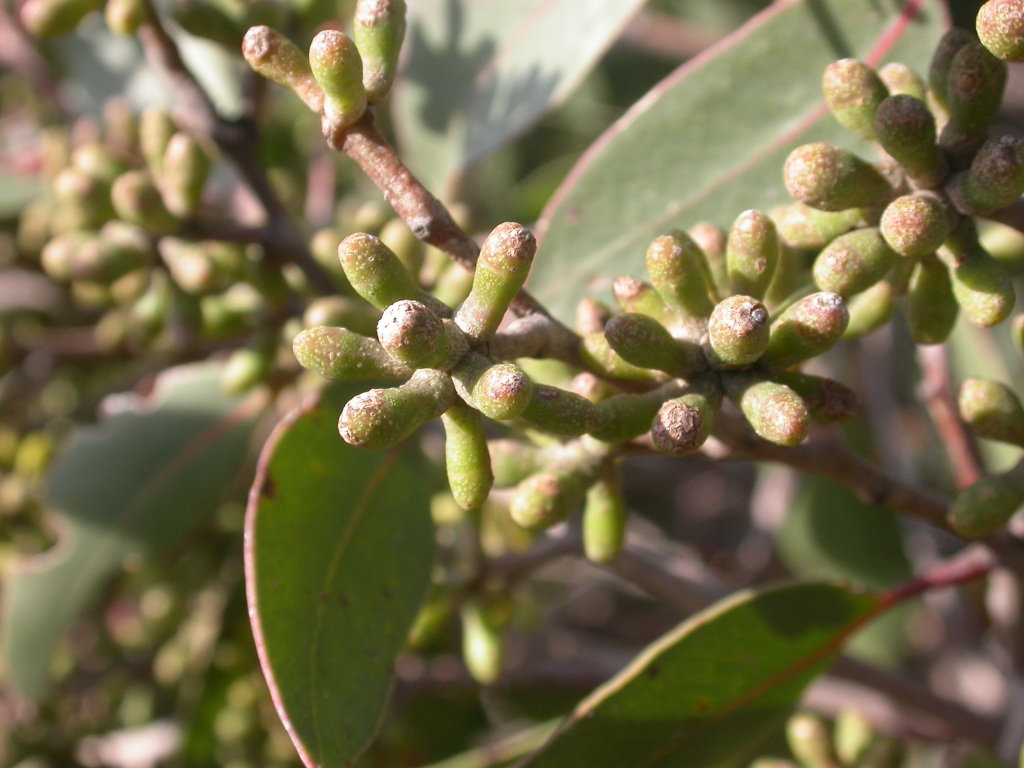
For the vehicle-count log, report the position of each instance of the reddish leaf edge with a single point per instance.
(885, 42)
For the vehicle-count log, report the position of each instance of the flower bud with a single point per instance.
(605, 517)
(499, 391)
(853, 262)
(546, 499)
(776, 412)
(379, 29)
(853, 92)
(591, 315)
(1000, 26)
(711, 240)
(828, 401)
(97, 162)
(343, 355)
(974, 90)
(397, 236)
(832, 179)
(415, 336)
(981, 285)
(124, 17)
(853, 736)
(231, 313)
(596, 353)
(345, 311)
(989, 504)
(382, 418)
(84, 200)
(915, 225)
(277, 58)
(938, 73)
(249, 365)
(137, 200)
(155, 131)
(677, 269)
(806, 329)
(466, 457)
(683, 424)
(738, 332)
(995, 179)
(931, 306)
(751, 253)
(185, 168)
(801, 226)
(119, 248)
(483, 647)
(906, 130)
(870, 309)
(377, 275)
(901, 80)
(642, 341)
(992, 410)
(559, 412)
(501, 270)
(338, 69)
(50, 18)
(809, 741)
(621, 418)
(634, 295)
(512, 461)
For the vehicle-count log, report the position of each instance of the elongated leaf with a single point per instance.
(709, 141)
(134, 485)
(339, 547)
(708, 693)
(480, 73)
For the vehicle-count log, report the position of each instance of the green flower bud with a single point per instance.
(942, 60)
(642, 341)
(981, 285)
(634, 295)
(711, 240)
(622, 418)
(185, 168)
(50, 18)
(591, 387)
(597, 354)
(155, 131)
(738, 332)
(806, 329)
(605, 517)
(191, 267)
(809, 741)
(466, 457)
(453, 285)
(232, 312)
(382, 418)
(351, 313)
(149, 310)
(853, 736)
(118, 249)
(992, 411)
(995, 179)
(974, 89)
(248, 366)
(277, 58)
(124, 17)
(209, 21)
(378, 276)
(870, 309)
(832, 179)
(678, 272)
(97, 162)
(915, 225)
(397, 236)
(683, 424)
(559, 412)
(338, 69)
(853, 262)
(137, 200)
(853, 92)
(591, 315)
(1000, 25)
(1006, 245)
(906, 130)
(499, 391)
(901, 80)
(989, 504)
(776, 412)
(84, 199)
(343, 355)
(546, 499)
(483, 647)
(57, 256)
(512, 461)
(378, 30)
(801, 226)
(828, 401)
(415, 336)
(433, 619)
(501, 270)
(751, 253)
(931, 306)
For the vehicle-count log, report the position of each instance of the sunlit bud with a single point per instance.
(853, 92)
(343, 355)
(137, 200)
(378, 276)
(644, 342)
(915, 225)
(378, 29)
(992, 410)
(58, 254)
(124, 17)
(483, 647)
(870, 309)
(809, 741)
(738, 332)
(853, 736)
(989, 504)
(466, 457)
(605, 517)
(678, 272)
(248, 366)
(683, 424)
(938, 73)
(559, 412)
(97, 161)
(597, 354)
(902, 80)
(853, 262)
(155, 131)
(498, 390)
(806, 329)
(277, 58)
(1000, 25)
(801, 226)
(832, 179)
(751, 253)
(338, 70)
(776, 412)
(906, 130)
(974, 90)
(382, 418)
(85, 200)
(827, 400)
(415, 336)
(185, 168)
(49, 18)
(931, 306)
(546, 499)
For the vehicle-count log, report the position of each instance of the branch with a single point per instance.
(19, 54)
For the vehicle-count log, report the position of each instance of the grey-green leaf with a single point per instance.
(339, 548)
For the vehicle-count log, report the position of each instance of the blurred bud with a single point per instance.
(249, 365)
(512, 461)
(605, 517)
(483, 648)
(806, 329)
(809, 741)
(853, 92)
(137, 200)
(738, 332)
(901, 80)
(853, 736)
(634, 295)
(989, 504)
(853, 262)
(210, 21)
(466, 456)
(155, 131)
(906, 130)
(343, 355)
(751, 253)
(931, 306)
(591, 315)
(378, 29)
(50, 18)
(124, 17)
(382, 418)
(546, 499)
(351, 313)
(991, 410)
(185, 168)
(832, 179)
(397, 236)
(711, 241)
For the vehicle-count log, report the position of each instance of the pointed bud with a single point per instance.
(597, 354)
(415, 336)
(738, 332)
(379, 29)
(466, 457)
(989, 504)
(343, 355)
(992, 410)
(642, 341)
(605, 517)
(137, 200)
(853, 262)
(275, 57)
(974, 89)
(995, 179)
(853, 92)
(186, 166)
(559, 412)
(677, 269)
(828, 401)
(546, 499)
(938, 73)
(1000, 25)
(499, 391)
(870, 309)
(751, 253)
(801, 226)
(806, 329)
(832, 179)
(931, 307)
(338, 69)
(382, 418)
(683, 424)
(916, 225)
(776, 412)
(901, 80)
(501, 270)
(906, 130)
(377, 275)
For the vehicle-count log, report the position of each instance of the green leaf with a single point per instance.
(480, 73)
(339, 549)
(709, 692)
(134, 485)
(17, 191)
(710, 140)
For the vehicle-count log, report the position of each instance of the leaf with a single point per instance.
(134, 485)
(480, 73)
(339, 549)
(17, 191)
(710, 140)
(709, 692)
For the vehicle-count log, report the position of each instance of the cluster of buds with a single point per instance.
(851, 741)
(906, 226)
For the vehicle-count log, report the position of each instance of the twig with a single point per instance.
(936, 392)
(19, 54)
